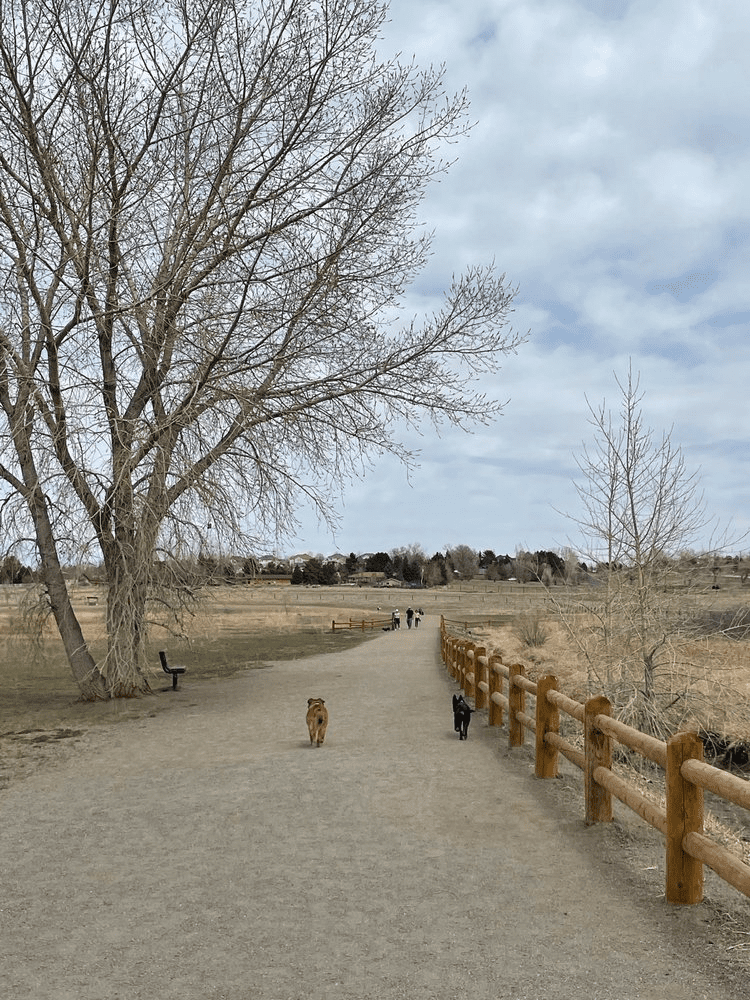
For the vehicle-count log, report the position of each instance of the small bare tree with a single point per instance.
(640, 507)
(207, 224)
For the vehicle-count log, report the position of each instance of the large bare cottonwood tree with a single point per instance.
(208, 219)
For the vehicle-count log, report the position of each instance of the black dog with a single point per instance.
(461, 716)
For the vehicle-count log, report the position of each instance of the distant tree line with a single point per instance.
(410, 566)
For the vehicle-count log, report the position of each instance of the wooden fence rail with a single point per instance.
(361, 623)
(465, 625)
(486, 678)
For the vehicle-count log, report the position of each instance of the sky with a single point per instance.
(607, 175)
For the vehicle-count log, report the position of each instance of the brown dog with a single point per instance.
(317, 720)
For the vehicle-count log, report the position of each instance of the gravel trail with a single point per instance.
(209, 853)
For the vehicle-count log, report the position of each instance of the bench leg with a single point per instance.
(174, 682)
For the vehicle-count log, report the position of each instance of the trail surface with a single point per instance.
(209, 853)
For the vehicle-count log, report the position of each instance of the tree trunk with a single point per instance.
(85, 671)
(125, 663)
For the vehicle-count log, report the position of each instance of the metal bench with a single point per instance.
(173, 672)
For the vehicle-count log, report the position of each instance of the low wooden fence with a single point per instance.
(466, 625)
(486, 678)
(362, 623)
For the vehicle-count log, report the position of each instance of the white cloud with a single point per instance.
(607, 175)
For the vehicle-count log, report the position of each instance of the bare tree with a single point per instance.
(641, 507)
(524, 565)
(207, 224)
(464, 560)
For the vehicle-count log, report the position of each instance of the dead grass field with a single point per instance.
(234, 628)
(239, 628)
(245, 627)
(714, 668)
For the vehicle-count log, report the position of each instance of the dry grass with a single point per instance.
(714, 670)
(234, 629)
(238, 627)
(241, 628)
(709, 675)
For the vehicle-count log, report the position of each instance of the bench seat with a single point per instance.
(173, 672)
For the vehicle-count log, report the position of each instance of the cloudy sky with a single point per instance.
(608, 174)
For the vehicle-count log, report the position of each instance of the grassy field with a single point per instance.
(245, 627)
(239, 628)
(234, 628)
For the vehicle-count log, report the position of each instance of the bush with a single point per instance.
(531, 630)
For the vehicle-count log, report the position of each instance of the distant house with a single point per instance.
(299, 559)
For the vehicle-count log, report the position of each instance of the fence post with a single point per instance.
(470, 667)
(480, 675)
(496, 687)
(547, 721)
(451, 660)
(464, 647)
(460, 662)
(684, 815)
(598, 753)
(517, 703)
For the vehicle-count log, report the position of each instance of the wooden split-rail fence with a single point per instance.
(362, 623)
(487, 679)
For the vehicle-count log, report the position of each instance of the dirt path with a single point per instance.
(208, 853)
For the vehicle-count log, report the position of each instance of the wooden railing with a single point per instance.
(465, 625)
(362, 623)
(486, 678)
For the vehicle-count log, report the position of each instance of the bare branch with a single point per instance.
(208, 221)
